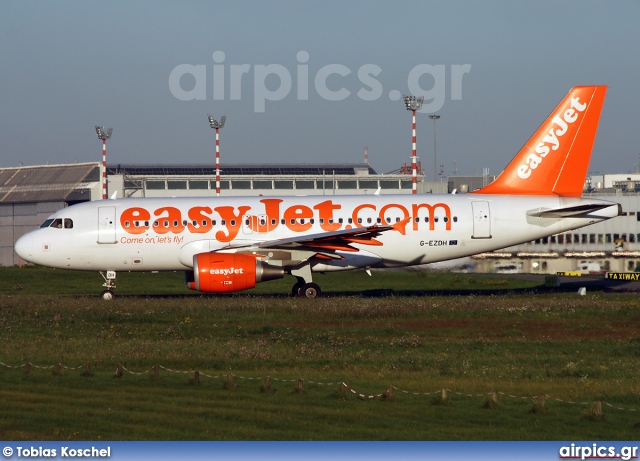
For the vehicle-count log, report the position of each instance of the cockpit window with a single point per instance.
(58, 223)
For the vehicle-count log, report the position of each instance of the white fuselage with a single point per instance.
(165, 233)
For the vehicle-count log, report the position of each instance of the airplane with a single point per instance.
(229, 244)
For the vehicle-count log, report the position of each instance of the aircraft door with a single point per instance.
(246, 224)
(263, 223)
(107, 224)
(481, 220)
(259, 224)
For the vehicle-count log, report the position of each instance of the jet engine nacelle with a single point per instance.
(228, 272)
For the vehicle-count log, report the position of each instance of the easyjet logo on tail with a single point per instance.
(553, 139)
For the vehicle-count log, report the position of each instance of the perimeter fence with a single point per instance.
(440, 396)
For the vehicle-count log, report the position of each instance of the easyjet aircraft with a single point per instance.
(228, 244)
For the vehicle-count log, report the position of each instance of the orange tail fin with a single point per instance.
(556, 158)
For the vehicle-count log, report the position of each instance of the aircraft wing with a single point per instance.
(325, 242)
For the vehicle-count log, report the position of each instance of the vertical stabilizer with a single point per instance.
(556, 158)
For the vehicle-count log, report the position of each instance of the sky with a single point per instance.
(310, 81)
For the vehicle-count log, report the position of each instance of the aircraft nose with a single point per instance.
(24, 247)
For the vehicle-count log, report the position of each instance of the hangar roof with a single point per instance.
(73, 182)
(48, 183)
(256, 169)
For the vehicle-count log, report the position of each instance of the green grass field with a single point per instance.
(418, 332)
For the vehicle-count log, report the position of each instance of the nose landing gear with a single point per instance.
(109, 284)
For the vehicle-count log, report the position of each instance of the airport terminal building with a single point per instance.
(28, 195)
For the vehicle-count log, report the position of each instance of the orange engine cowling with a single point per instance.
(227, 272)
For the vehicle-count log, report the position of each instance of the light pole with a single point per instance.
(434, 117)
(104, 134)
(217, 125)
(413, 104)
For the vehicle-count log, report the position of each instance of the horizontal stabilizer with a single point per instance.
(577, 211)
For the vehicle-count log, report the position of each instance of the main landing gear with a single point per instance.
(301, 289)
(304, 287)
(109, 284)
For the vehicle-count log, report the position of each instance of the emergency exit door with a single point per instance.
(107, 224)
(481, 220)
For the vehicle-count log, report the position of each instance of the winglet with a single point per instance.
(556, 158)
(400, 226)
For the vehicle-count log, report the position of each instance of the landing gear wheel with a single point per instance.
(109, 284)
(310, 290)
(107, 295)
(295, 291)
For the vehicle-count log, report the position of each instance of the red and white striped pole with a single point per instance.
(217, 125)
(414, 167)
(104, 169)
(217, 162)
(413, 104)
(104, 135)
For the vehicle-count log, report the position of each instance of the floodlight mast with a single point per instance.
(413, 104)
(434, 117)
(217, 125)
(104, 134)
